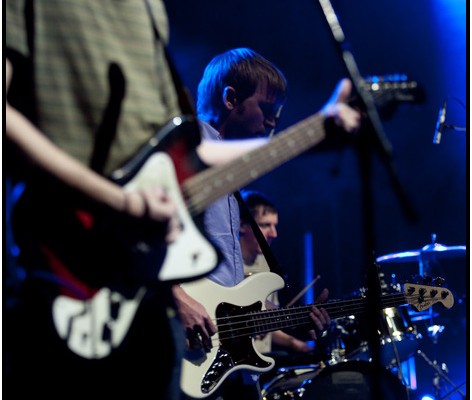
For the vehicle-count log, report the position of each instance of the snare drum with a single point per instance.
(398, 338)
(353, 380)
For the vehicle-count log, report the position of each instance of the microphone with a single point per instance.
(440, 124)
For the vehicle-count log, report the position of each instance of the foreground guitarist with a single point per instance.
(90, 84)
(240, 96)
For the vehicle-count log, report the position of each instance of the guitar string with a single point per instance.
(285, 146)
(193, 186)
(268, 315)
(338, 306)
(241, 328)
(236, 176)
(240, 174)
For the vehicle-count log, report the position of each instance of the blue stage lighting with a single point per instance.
(427, 397)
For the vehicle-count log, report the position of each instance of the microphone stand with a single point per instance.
(373, 134)
(455, 128)
(374, 128)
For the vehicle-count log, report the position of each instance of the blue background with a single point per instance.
(319, 195)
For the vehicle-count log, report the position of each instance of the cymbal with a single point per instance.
(429, 252)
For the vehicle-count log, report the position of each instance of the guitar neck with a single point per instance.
(420, 297)
(272, 320)
(212, 183)
(206, 187)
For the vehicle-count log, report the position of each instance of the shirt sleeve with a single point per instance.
(16, 29)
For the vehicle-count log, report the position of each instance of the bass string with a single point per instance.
(213, 183)
(243, 325)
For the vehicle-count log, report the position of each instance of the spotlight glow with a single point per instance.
(428, 397)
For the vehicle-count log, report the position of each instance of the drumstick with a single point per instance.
(302, 292)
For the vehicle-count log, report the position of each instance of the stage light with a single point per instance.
(427, 397)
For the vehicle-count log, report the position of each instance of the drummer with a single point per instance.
(265, 214)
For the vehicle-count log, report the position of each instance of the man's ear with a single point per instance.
(229, 97)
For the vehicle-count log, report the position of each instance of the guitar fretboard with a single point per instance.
(271, 320)
(212, 183)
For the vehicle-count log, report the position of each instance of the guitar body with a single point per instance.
(89, 245)
(90, 328)
(203, 373)
(240, 315)
(167, 160)
(134, 255)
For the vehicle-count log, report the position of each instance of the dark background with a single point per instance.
(319, 195)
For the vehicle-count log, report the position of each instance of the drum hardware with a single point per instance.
(428, 253)
(290, 382)
(345, 380)
(348, 369)
(337, 347)
(416, 316)
(426, 257)
(353, 380)
(434, 331)
(440, 369)
(398, 344)
(398, 337)
(440, 372)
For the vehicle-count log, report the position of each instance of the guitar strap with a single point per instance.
(107, 129)
(186, 106)
(266, 251)
(184, 97)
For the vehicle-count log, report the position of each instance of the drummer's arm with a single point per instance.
(283, 339)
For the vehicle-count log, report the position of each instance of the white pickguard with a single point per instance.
(190, 255)
(81, 323)
(252, 289)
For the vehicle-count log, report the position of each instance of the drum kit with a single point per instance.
(346, 370)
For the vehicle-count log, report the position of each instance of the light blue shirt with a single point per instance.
(221, 223)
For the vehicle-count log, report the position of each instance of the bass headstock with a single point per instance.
(421, 296)
(389, 91)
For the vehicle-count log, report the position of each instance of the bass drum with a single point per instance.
(354, 380)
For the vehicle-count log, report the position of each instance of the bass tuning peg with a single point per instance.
(439, 281)
(427, 280)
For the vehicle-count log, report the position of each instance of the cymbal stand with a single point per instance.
(441, 373)
(434, 331)
(425, 257)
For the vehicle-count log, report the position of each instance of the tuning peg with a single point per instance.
(415, 279)
(444, 294)
(427, 280)
(439, 281)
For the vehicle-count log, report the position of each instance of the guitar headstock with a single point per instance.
(388, 91)
(421, 297)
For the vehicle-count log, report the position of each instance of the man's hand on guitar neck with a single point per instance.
(320, 316)
(337, 108)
